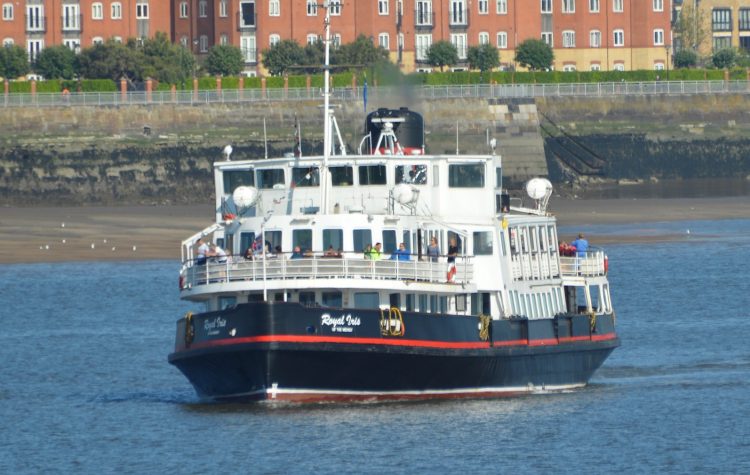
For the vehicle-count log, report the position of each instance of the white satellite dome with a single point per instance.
(245, 196)
(538, 188)
(404, 194)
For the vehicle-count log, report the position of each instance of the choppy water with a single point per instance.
(85, 386)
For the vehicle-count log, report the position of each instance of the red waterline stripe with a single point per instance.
(389, 342)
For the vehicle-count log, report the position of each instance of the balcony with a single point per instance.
(36, 24)
(424, 19)
(458, 18)
(247, 22)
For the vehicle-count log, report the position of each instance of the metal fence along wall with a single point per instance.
(348, 93)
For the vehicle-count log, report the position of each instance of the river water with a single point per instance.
(85, 386)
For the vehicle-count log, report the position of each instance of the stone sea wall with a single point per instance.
(163, 153)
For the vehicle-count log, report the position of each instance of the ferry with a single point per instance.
(385, 274)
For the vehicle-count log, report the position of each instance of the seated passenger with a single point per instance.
(297, 253)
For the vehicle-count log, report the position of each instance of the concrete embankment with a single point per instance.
(73, 155)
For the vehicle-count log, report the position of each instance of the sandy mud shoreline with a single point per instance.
(52, 234)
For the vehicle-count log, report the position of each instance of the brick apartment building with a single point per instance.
(726, 24)
(585, 34)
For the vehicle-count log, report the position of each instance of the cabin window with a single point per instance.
(394, 300)
(333, 238)
(372, 175)
(273, 240)
(422, 298)
(413, 174)
(305, 176)
(475, 304)
(226, 302)
(483, 243)
(466, 176)
(331, 299)
(434, 307)
(341, 176)
(366, 300)
(452, 235)
(461, 303)
(267, 179)
(498, 177)
(552, 239)
(302, 238)
(409, 302)
(307, 299)
(389, 241)
(443, 304)
(361, 238)
(246, 240)
(236, 178)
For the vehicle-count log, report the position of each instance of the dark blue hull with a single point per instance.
(284, 351)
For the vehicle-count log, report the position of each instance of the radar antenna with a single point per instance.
(539, 190)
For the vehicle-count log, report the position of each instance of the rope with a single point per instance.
(387, 325)
(484, 327)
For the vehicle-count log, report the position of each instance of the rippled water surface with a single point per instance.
(85, 386)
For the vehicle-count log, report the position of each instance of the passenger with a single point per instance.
(297, 253)
(452, 253)
(331, 252)
(400, 254)
(581, 245)
(375, 253)
(566, 249)
(218, 254)
(433, 250)
(368, 252)
(203, 252)
(309, 253)
(248, 253)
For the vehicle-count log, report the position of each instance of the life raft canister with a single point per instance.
(606, 264)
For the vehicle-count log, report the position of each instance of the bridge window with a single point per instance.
(483, 243)
(466, 176)
(268, 178)
(414, 174)
(306, 176)
(361, 238)
(372, 175)
(331, 299)
(235, 178)
(333, 238)
(341, 176)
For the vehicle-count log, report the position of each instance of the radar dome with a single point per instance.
(404, 194)
(245, 196)
(538, 188)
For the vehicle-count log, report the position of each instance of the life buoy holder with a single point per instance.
(606, 265)
(189, 329)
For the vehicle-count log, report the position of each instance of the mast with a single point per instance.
(326, 110)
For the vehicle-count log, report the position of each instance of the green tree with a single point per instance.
(442, 54)
(534, 54)
(359, 53)
(689, 27)
(483, 57)
(225, 60)
(56, 62)
(14, 62)
(280, 58)
(724, 58)
(314, 56)
(163, 60)
(111, 60)
(685, 58)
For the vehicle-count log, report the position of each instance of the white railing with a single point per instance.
(323, 268)
(535, 266)
(592, 264)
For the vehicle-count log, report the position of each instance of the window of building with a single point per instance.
(336, 40)
(274, 39)
(459, 41)
(183, 9)
(203, 43)
(466, 176)
(384, 41)
(247, 45)
(569, 39)
(224, 39)
(484, 38)
(312, 7)
(116, 11)
(569, 68)
(745, 42)
(8, 42)
(422, 46)
(568, 6)
(658, 66)
(619, 67)
(141, 11)
(618, 37)
(617, 6)
(502, 40)
(744, 19)
(423, 13)
(33, 48)
(203, 9)
(97, 40)
(224, 8)
(457, 13)
(658, 37)
(595, 67)
(341, 176)
(721, 19)
(594, 6)
(547, 37)
(483, 6)
(97, 11)
(7, 11)
(501, 7)
(413, 174)
(312, 38)
(274, 8)
(382, 7)
(71, 18)
(335, 7)
(372, 175)
(117, 39)
(546, 6)
(658, 5)
(361, 238)
(267, 179)
(722, 42)
(595, 39)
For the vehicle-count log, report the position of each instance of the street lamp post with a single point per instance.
(667, 49)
